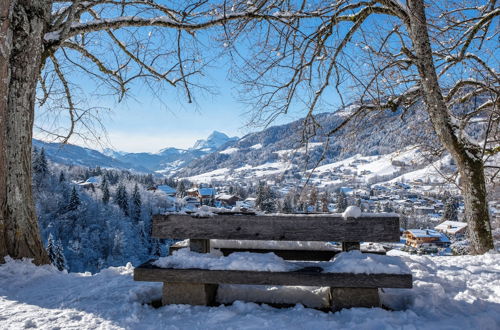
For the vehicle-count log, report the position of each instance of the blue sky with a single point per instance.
(143, 123)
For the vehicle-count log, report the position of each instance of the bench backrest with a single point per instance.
(315, 227)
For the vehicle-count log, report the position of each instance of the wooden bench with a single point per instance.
(199, 286)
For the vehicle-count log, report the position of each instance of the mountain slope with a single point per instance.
(213, 142)
(70, 154)
(169, 160)
(375, 134)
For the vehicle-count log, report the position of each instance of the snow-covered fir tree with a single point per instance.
(62, 178)
(181, 189)
(74, 200)
(51, 249)
(105, 191)
(136, 204)
(60, 260)
(451, 209)
(121, 199)
(40, 165)
(266, 199)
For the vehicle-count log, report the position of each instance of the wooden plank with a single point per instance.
(278, 228)
(304, 255)
(354, 297)
(306, 277)
(189, 293)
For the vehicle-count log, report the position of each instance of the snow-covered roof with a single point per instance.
(429, 233)
(224, 196)
(206, 191)
(167, 189)
(94, 179)
(451, 227)
(347, 190)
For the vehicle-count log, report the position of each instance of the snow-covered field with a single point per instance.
(449, 293)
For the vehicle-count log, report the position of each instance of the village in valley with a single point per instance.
(430, 209)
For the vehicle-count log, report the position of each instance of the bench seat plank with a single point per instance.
(309, 276)
(327, 227)
(306, 251)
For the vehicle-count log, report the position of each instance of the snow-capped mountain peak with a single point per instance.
(214, 141)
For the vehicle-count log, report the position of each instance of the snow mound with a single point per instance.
(352, 212)
(266, 262)
(365, 263)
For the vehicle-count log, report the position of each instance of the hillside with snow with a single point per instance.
(69, 154)
(284, 147)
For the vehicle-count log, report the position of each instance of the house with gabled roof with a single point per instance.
(455, 229)
(426, 238)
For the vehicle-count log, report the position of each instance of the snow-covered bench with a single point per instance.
(192, 277)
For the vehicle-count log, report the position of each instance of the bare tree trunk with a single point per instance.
(6, 9)
(25, 24)
(467, 156)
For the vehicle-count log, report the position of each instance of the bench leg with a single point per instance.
(189, 293)
(354, 297)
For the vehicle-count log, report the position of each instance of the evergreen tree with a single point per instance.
(74, 200)
(60, 260)
(451, 209)
(266, 198)
(51, 249)
(105, 191)
(341, 202)
(136, 203)
(62, 178)
(40, 166)
(121, 199)
(181, 189)
(241, 192)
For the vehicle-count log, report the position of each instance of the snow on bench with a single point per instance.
(346, 262)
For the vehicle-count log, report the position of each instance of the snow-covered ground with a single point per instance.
(449, 293)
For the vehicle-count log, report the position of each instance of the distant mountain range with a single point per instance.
(70, 154)
(301, 144)
(165, 161)
(377, 140)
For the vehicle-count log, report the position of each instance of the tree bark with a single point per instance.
(467, 156)
(24, 27)
(6, 9)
